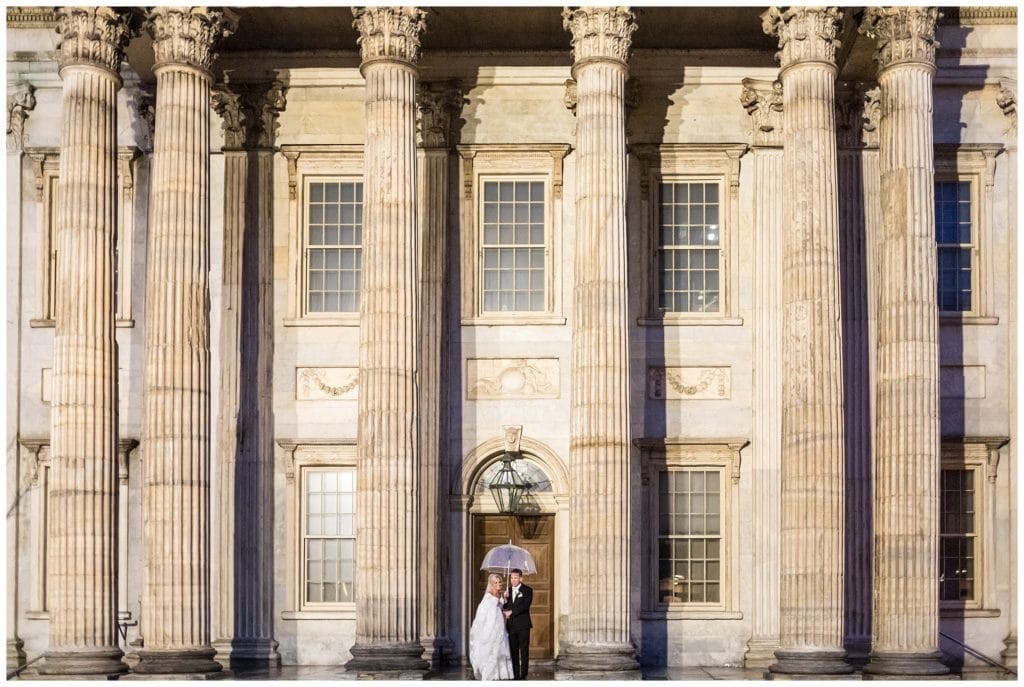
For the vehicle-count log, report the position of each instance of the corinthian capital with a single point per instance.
(389, 32)
(806, 34)
(604, 33)
(763, 102)
(20, 100)
(188, 35)
(249, 112)
(94, 36)
(903, 34)
(438, 106)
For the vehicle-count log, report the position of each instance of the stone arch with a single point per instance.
(481, 458)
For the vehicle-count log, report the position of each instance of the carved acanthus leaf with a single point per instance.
(94, 36)
(20, 100)
(857, 112)
(763, 102)
(249, 112)
(600, 32)
(188, 35)
(806, 34)
(902, 34)
(389, 32)
(438, 106)
(1007, 100)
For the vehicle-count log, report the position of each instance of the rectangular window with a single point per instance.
(513, 246)
(958, 535)
(689, 536)
(328, 535)
(954, 228)
(334, 228)
(689, 247)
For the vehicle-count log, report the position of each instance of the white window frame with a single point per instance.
(974, 163)
(680, 163)
(304, 474)
(300, 455)
(510, 162)
(46, 169)
(981, 456)
(673, 454)
(306, 164)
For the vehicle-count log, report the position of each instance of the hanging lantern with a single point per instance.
(507, 487)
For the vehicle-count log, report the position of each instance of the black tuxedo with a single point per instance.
(518, 626)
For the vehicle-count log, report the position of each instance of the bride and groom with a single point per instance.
(499, 639)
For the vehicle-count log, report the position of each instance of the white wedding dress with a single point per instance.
(488, 642)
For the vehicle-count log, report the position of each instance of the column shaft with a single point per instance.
(388, 446)
(82, 528)
(811, 540)
(907, 434)
(599, 450)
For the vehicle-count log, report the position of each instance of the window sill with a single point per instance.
(43, 323)
(37, 615)
(690, 321)
(325, 614)
(694, 614)
(512, 320)
(950, 319)
(969, 612)
(349, 321)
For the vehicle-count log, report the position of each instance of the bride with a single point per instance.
(488, 641)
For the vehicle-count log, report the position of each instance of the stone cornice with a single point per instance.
(31, 17)
(806, 34)
(970, 16)
(600, 33)
(857, 114)
(763, 102)
(249, 112)
(188, 35)
(903, 34)
(438, 106)
(389, 32)
(94, 36)
(20, 100)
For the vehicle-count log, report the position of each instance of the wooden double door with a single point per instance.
(536, 534)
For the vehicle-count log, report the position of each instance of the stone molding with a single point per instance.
(31, 17)
(763, 102)
(438, 106)
(1007, 100)
(903, 34)
(858, 109)
(249, 112)
(686, 383)
(600, 33)
(21, 100)
(188, 35)
(806, 34)
(971, 16)
(94, 36)
(389, 32)
(326, 383)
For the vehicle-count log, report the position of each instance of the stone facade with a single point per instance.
(285, 278)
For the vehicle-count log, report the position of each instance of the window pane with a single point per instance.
(957, 535)
(513, 250)
(954, 235)
(689, 543)
(334, 235)
(329, 540)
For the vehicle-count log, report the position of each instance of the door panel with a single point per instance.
(537, 537)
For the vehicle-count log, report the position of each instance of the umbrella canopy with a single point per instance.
(507, 556)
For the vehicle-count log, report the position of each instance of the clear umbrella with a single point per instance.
(507, 556)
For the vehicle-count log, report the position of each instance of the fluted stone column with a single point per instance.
(176, 427)
(907, 435)
(598, 637)
(438, 105)
(388, 444)
(82, 532)
(245, 461)
(763, 102)
(811, 586)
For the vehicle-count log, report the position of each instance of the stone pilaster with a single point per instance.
(438, 106)
(907, 436)
(389, 451)
(598, 637)
(857, 157)
(245, 461)
(763, 102)
(82, 532)
(811, 541)
(176, 426)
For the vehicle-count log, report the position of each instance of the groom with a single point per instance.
(517, 621)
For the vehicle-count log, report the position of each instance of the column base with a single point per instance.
(400, 660)
(760, 652)
(892, 664)
(439, 651)
(1009, 654)
(614, 661)
(237, 652)
(15, 654)
(858, 651)
(90, 662)
(821, 663)
(192, 663)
